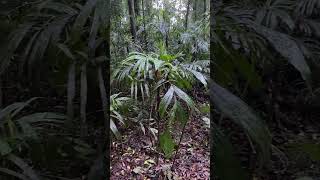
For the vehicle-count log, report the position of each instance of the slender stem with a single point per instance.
(158, 119)
(149, 122)
(175, 156)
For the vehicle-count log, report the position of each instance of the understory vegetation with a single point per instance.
(151, 89)
(265, 64)
(54, 94)
(160, 63)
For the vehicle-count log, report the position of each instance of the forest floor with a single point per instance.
(135, 158)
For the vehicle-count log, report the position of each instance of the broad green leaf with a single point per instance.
(199, 76)
(15, 39)
(167, 144)
(167, 57)
(180, 114)
(84, 15)
(13, 109)
(237, 110)
(117, 116)
(27, 50)
(93, 32)
(8, 110)
(157, 64)
(165, 101)
(114, 129)
(287, 47)
(50, 34)
(185, 97)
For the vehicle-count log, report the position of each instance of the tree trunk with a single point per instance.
(195, 10)
(83, 101)
(144, 25)
(166, 21)
(187, 15)
(148, 4)
(137, 7)
(132, 20)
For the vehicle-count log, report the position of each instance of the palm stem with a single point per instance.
(175, 156)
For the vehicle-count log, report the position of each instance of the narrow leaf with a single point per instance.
(243, 115)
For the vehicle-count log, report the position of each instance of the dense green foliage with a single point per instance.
(250, 42)
(158, 56)
(53, 48)
(260, 68)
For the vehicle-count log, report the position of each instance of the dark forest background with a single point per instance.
(82, 79)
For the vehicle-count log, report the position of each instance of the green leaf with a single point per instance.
(50, 33)
(167, 144)
(8, 110)
(237, 110)
(4, 148)
(15, 39)
(93, 32)
(157, 63)
(43, 117)
(167, 57)
(27, 50)
(165, 101)
(180, 114)
(84, 15)
(182, 95)
(199, 76)
(59, 7)
(14, 109)
(23, 105)
(287, 47)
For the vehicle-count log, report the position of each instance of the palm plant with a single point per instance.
(161, 79)
(57, 29)
(116, 104)
(17, 133)
(74, 34)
